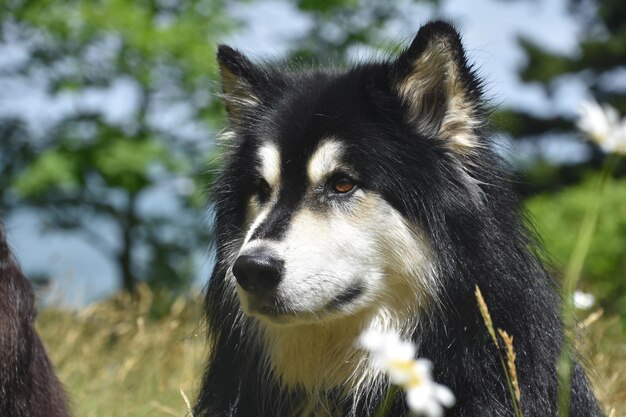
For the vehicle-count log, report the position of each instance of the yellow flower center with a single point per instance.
(407, 367)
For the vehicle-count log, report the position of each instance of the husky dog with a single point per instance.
(369, 198)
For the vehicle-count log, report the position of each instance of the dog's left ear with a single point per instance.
(440, 91)
(241, 82)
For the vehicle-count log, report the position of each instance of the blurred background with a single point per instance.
(108, 119)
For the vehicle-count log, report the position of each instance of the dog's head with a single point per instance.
(324, 205)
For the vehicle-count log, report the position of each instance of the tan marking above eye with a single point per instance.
(325, 160)
(269, 159)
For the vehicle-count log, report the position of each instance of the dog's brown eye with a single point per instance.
(343, 185)
(263, 190)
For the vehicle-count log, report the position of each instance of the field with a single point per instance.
(119, 358)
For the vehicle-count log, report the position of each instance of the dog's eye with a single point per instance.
(263, 190)
(343, 184)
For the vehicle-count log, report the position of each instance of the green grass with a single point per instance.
(117, 358)
(558, 218)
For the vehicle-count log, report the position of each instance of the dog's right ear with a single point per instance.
(241, 81)
(439, 88)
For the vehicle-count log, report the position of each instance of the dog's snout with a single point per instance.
(258, 272)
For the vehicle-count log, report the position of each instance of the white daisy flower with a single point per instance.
(396, 358)
(583, 300)
(603, 126)
(429, 399)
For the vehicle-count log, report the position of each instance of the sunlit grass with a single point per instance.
(117, 358)
(603, 344)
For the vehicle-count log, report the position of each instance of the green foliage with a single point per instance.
(152, 32)
(51, 170)
(517, 124)
(558, 218)
(325, 6)
(124, 163)
(89, 167)
(602, 47)
(601, 54)
(543, 66)
(339, 25)
(120, 162)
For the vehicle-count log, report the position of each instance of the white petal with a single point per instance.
(399, 350)
(592, 119)
(417, 370)
(583, 300)
(603, 126)
(388, 343)
(371, 340)
(420, 401)
(611, 115)
(433, 409)
(444, 395)
(399, 376)
(620, 138)
(416, 398)
(424, 366)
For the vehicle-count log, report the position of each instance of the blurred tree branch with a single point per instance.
(89, 168)
(600, 57)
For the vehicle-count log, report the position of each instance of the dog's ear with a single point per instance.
(440, 91)
(241, 82)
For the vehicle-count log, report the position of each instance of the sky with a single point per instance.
(489, 29)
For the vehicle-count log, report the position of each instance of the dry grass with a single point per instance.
(116, 360)
(508, 366)
(510, 363)
(603, 342)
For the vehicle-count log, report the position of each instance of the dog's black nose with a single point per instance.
(258, 272)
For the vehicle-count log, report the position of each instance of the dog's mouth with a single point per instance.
(275, 313)
(275, 310)
(346, 297)
(266, 305)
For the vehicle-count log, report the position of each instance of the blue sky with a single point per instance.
(489, 29)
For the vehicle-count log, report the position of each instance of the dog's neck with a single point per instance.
(316, 357)
(322, 359)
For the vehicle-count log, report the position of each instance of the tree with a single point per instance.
(338, 26)
(90, 167)
(598, 62)
(561, 193)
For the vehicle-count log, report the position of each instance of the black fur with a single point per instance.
(28, 385)
(464, 202)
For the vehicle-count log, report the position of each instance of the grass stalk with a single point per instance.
(510, 382)
(384, 407)
(572, 277)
